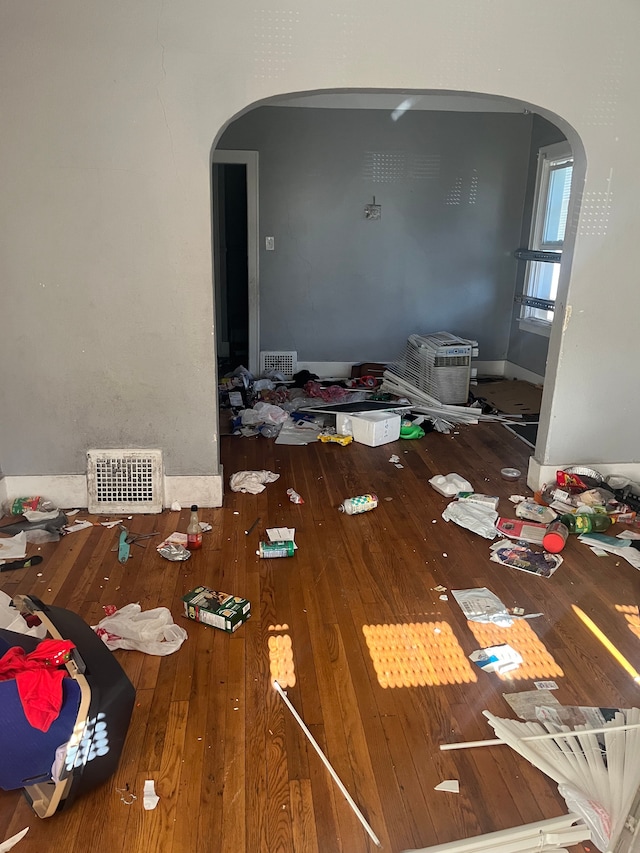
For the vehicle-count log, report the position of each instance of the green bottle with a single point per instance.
(595, 522)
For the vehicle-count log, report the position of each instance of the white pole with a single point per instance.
(325, 761)
(547, 736)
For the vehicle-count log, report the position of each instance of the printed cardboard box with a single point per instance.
(218, 609)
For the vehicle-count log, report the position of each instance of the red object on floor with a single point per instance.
(38, 679)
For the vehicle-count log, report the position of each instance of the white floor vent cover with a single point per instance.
(124, 481)
(285, 362)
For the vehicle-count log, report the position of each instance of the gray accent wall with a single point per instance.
(340, 288)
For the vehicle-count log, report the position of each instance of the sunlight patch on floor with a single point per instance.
(536, 660)
(417, 654)
(632, 615)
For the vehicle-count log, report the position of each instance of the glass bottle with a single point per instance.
(194, 531)
(595, 522)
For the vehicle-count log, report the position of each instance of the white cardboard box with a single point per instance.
(371, 428)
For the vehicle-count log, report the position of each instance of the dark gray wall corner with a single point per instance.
(340, 288)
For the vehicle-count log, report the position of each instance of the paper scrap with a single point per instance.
(545, 685)
(78, 525)
(452, 786)
(110, 524)
(11, 842)
(282, 534)
(69, 512)
(500, 659)
(174, 539)
(443, 597)
(151, 799)
(175, 506)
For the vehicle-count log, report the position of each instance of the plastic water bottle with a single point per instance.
(361, 503)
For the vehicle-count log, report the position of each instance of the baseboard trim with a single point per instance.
(506, 369)
(204, 491)
(70, 490)
(539, 474)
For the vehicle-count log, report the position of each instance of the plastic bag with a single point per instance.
(152, 631)
(13, 620)
(594, 815)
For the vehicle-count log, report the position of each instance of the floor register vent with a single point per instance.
(124, 481)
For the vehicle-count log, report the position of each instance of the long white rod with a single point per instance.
(325, 761)
(547, 736)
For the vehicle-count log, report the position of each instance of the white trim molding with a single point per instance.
(70, 490)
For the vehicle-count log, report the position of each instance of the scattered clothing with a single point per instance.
(251, 481)
(38, 679)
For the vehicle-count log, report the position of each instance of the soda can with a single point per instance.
(361, 503)
(281, 548)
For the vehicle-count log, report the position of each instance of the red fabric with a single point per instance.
(38, 679)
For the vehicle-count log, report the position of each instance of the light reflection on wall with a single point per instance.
(536, 660)
(417, 654)
(632, 615)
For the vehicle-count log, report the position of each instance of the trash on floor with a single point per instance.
(12, 619)
(500, 659)
(370, 428)
(7, 845)
(478, 518)
(475, 498)
(218, 609)
(450, 484)
(174, 548)
(150, 799)
(252, 482)
(481, 605)
(13, 548)
(524, 559)
(343, 440)
(597, 768)
(276, 549)
(451, 786)
(151, 631)
(523, 531)
(280, 534)
(361, 503)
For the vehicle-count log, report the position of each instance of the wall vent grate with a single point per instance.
(285, 362)
(124, 481)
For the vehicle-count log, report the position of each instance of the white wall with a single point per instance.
(108, 115)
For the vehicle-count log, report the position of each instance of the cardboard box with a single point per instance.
(368, 368)
(218, 609)
(375, 428)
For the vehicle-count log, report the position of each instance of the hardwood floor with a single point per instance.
(232, 768)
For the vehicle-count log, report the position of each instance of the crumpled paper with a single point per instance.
(251, 481)
(478, 518)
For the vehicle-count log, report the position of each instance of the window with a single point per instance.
(548, 224)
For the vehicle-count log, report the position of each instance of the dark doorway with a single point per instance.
(230, 238)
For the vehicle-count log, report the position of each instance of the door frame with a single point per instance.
(250, 160)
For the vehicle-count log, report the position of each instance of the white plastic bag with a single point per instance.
(152, 631)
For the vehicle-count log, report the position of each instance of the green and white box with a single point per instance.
(218, 609)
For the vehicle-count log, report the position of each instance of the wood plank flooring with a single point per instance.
(232, 769)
